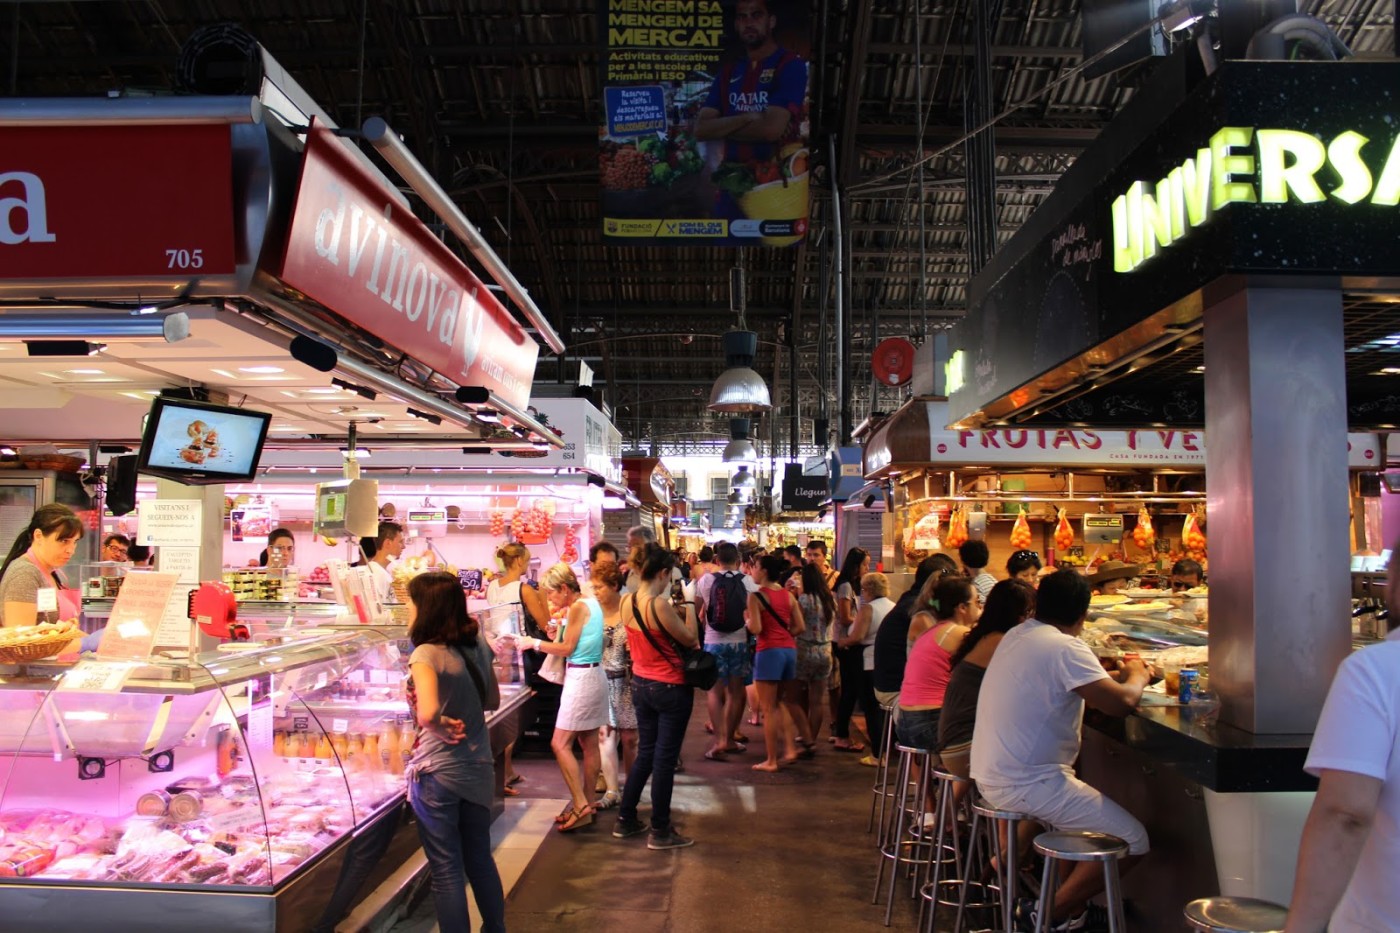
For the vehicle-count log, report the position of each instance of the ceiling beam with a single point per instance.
(1064, 53)
(853, 77)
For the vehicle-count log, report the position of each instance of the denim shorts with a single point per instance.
(732, 661)
(918, 728)
(775, 664)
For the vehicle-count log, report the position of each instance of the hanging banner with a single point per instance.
(705, 121)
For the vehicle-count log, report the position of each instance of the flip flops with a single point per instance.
(849, 747)
(715, 754)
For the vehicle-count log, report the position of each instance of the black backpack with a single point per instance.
(724, 610)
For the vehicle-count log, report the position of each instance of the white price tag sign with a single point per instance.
(378, 677)
(95, 676)
(340, 726)
(46, 599)
(170, 523)
(235, 819)
(260, 724)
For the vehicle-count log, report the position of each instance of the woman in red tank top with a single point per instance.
(659, 694)
(775, 617)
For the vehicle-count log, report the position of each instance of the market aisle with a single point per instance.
(786, 851)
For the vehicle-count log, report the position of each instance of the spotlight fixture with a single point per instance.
(540, 445)
(7, 451)
(476, 450)
(424, 416)
(361, 391)
(359, 453)
(519, 431)
(739, 389)
(472, 395)
(488, 416)
(869, 500)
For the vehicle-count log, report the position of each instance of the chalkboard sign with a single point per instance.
(471, 580)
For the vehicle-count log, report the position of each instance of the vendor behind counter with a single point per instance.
(31, 588)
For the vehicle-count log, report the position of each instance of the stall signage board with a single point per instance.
(591, 441)
(354, 249)
(1265, 168)
(1023, 447)
(157, 205)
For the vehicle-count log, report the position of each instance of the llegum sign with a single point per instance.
(1247, 165)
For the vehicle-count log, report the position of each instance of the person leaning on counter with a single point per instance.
(1345, 880)
(31, 589)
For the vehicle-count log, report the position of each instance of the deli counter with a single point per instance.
(225, 792)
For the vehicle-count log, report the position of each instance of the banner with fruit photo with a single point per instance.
(705, 108)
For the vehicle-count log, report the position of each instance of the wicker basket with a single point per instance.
(36, 650)
(59, 462)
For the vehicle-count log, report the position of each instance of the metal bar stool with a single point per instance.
(1236, 915)
(882, 792)
(947, 841)
(988, 824)
(902, 847)
(1081, 847)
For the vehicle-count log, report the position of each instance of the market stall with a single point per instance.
(650, 482)
(1257, 307)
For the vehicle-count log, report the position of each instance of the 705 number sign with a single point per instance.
(184, 259)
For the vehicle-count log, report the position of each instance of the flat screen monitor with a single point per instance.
(332, 506)
(202, 444)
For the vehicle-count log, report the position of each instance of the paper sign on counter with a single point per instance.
(137, 613)
(181, 561)
(259, 729)
(91, 675)
(174, 628)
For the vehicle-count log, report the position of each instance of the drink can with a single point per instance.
(1190, 679)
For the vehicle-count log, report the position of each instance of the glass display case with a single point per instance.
(242, 773)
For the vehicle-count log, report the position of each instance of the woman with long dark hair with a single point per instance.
(814, 644)
(659, 694)
(1010, 603)
(31, 588)
(849, 661)
(451, 685)
(955, 609)
(775, 619)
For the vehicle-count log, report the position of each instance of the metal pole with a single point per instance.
(384, 139)
(794, 419)
(838, 233)
(38, 111)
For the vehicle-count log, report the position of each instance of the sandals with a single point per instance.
(509, 791)
(608, 801)
(565, 813)
(849, 747)
(514, 780)
(716, 754)
(577, 820)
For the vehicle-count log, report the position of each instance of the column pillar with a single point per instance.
(1276, 481)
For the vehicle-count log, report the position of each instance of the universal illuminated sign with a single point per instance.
(1246, 165)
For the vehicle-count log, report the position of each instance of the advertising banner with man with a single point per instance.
(705, 134)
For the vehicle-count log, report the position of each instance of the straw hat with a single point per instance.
(1113, 570)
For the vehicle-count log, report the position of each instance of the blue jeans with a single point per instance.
(663, 712)
(456, 836)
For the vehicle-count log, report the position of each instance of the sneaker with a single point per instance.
(1092, 920)
(669, 840)
(624, 828)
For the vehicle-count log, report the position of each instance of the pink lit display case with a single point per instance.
(221, 792)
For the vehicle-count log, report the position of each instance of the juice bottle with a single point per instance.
(395, 751)
(354, 752)
(388, 744)
(341, 745)
(293, 745)
(279, 744)
(371, 748)
(323, 746)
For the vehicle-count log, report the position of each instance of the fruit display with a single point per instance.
(1193, 539)
(498, 523)
(1064, 532)
(570, 554)
(535, 524)
(1143, 534)
(410, 567)
(1021, 532)
(957, 529)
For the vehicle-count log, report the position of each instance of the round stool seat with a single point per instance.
(992, 813)
(1081, 847)
(940, 775)
(1236, 915)
(911, 750)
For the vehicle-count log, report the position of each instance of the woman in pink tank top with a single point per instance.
(930, 665)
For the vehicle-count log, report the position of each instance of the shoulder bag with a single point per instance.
(698, 668)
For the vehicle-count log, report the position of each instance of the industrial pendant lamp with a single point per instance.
(739, 390)
(739, 449)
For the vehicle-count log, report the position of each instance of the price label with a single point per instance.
(260, 725)
(357, 676)
(379, 677)
(235, 819)
(301, 723)
(321, 680)
(94, 676)
(340, 726)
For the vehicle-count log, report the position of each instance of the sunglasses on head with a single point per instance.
(1180, 585)
(1023, 555)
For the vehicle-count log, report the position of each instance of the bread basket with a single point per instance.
(37, 649)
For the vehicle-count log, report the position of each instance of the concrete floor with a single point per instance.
(786, 852)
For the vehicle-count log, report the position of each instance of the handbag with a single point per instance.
(698, 667)
(553, 668)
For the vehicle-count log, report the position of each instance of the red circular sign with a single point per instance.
(894, 361)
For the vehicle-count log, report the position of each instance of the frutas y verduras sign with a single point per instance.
(352, 248)
(1246, 165)
(120, 202)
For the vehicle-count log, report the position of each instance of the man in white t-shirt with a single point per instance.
(1351, 841)
(725, 700)
(1026, 737)
(388, 545)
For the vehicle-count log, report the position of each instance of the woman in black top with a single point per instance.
(1010, 603)
(849, 661)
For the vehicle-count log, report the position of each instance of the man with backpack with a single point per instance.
(720, 599)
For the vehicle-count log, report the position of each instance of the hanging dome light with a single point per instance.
(743, 480)
(739, 449)
(739, 389)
